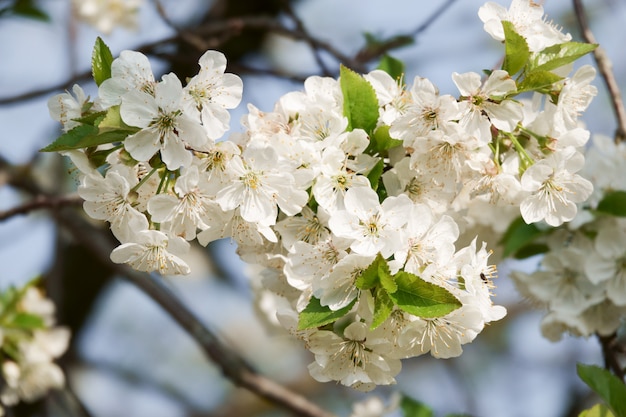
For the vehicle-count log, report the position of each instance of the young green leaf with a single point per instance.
(27, 321)
(377, 273)
(606, 385)
(360, 104)
(516, 49)
(381, 142)
(374, 175)
(613, 203)
(113, 120)
(101, 61)
(414, 408)
(92, 119)
(391, 66)
(383, 306)
(556, 56)
(537, 80)
(69, 139)
(317, 315)
(421, 298)
(85, 136)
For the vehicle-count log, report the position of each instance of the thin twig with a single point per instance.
(300, 26)
(233, 367)
(368, 53)
(41, 202)
(66, 85)
(189, 37)
(606, 70)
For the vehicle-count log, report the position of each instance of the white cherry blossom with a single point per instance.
(554, 188)
(209, 93)
(374, 227)
(164, 127)
(152, 250)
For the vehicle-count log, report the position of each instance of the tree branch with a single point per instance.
(233, 367)
(606, 70)
(369, 53)
(610, 350)
(41, 202)
(300, 26)
(66, 85)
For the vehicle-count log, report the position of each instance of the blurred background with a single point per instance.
(127, 357)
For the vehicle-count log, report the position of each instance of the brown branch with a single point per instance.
(215, 33)
(610, 350)
(183, 34)
(66, 85)
(606, 70)
(300, 27)
(41, 202)
(233, 367)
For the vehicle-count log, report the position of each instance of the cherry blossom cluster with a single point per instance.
(29, 344)
(357, 200)
(106, 15)
(581, 280)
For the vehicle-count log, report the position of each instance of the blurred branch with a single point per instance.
(309, 39)
(215, 33)
(41, 202)
(611, 350)
(371, 52)
(189, 37)
(100, 244)
(232, 366)
(66, 85)
(66, 400)
(606, 70)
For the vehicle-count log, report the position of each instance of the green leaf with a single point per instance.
(85, 136)
(27, 321)
(538, 80)
(92, 119)
(516, 49)
(113, 120)
(613, 203)
(377, 273)
(606, 385)
(531, 250)
(421, 298)
(381, 142)
(598, 410)
(27, 8)
(360, 104)
(392, 66)
(317, 315)
(101, 61)
(69, 139)
(556, 56)
(414, 408)
(383, 306)
(518, 235)
(374, 175)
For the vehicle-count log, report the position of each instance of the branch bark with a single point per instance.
(232, 366)
(606, 70)
(41, 202)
